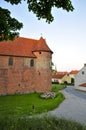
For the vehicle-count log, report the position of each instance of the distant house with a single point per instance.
(69, 77)
(25, 66)
(73, 73)
(57, 78)
(66, 79)
(80, 79)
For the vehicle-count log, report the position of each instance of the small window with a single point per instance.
(31, 63)
(82, 72)
(40, 52)
(10, 62)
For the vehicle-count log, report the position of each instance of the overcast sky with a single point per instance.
(66, 35)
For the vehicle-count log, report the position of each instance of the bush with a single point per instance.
(37, 123)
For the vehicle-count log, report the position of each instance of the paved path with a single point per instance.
(73, 107)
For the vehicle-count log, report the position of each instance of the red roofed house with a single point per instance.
(25, 66)
(57, 78)
(73, 73)
(64, 77)
(80, 79)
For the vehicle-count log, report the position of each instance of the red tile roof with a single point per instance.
(83, 85)
(23, 47)
(59, 75)
(42, 46)
(62, 72)
(74, 72)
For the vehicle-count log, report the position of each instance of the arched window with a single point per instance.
(31, 63)
(10, 62)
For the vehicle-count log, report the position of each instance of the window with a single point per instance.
(10, 62)
(31, 63)
(40, 52)
(82, 72)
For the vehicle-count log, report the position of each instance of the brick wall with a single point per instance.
(43, 71)
(3, 81)
(21, 81)
(21, 78)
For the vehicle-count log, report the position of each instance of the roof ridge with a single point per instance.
(22, 47)
(42, 46)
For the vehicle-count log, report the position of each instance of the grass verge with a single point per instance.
(43, 123)
(57, 87)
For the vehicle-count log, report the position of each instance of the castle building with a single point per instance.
(25, 66)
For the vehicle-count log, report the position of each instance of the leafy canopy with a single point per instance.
(8, 25)
(42, 9)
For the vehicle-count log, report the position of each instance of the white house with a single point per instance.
(80, 79)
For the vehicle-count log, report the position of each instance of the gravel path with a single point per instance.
(73, 107)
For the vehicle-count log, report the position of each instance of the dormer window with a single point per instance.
(10, 62)
(31, 63)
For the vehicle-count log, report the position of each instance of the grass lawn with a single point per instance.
(15, 111)
(57, 87)
(22, 105)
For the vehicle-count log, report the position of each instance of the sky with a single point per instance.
(66, 35)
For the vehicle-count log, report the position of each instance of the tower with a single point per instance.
(43, 66)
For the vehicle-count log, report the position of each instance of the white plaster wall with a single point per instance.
(72, 75)
(80, 78)
(66, 78)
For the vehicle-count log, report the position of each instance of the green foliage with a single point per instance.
(39, 123)
(42, 9)
(8, 25)
(72, 81)
(14, 1)
(22, 105)
(54, 71)
(56, 88)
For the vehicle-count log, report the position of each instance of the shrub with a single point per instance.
(40, 123)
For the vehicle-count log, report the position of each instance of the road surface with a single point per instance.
(73, 107)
